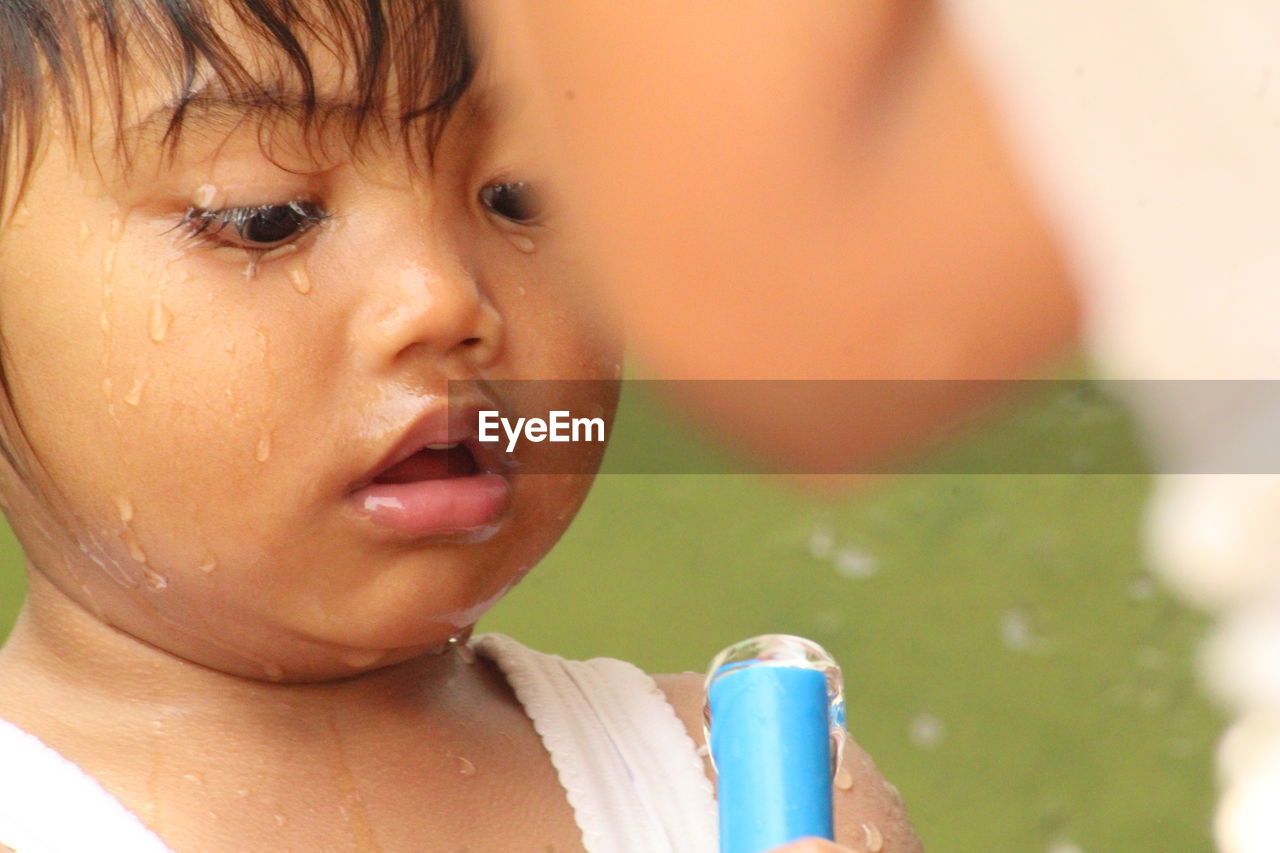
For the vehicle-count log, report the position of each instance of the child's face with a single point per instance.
(204, 406)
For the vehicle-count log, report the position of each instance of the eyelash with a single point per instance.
(203, 226)
(493, 196)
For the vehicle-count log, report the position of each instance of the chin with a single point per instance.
(416, 606)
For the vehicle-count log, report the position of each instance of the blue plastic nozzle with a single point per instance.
(775, 724)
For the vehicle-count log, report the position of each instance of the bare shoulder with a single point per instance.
(684, 694)
(869, 815)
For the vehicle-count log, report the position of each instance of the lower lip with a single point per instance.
(427, 507)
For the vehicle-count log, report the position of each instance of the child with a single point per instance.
(246, 247)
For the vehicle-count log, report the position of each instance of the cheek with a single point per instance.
(548, 503)
(555, 324)
(153, 409)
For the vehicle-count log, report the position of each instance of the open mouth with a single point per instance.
(436, 484)
(432, 462)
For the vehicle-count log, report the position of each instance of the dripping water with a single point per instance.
(159, 320)
(300, 280)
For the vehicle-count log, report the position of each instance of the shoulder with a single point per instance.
(869, 811)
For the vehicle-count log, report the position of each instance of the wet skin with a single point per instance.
(215, 629)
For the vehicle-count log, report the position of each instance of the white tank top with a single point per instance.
(627, 765)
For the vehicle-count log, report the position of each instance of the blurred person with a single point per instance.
(897, 189)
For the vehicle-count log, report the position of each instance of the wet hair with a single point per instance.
(53, 52)
(74, 59)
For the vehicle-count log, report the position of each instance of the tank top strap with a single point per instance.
(49, 805)
(629, 768)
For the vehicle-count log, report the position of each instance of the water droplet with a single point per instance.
(265, 337)
(134, 395)
(126, 508)
(822, 541)
(828, 620)
(83, 238)
(108, 267)
(157, 726)
(205, 194)
(208, 566)
(161, 317)
(1015, 630)
(524, 243)
(193, 778)
(116, 231)
(925, 731)
(279, 818)
(264, 445)
(92, 602)
(1141, 589)
(844, 779)
(874, 840)
(106, 386)
(521, 290)
(854, 564)
(155, 580)
(113, 569)
(130, 539)
(1153, 700)
(1150, 657)
(465, 767)
(300, 280)
(104, 323)
(362, 658)
(242, 792)
(1063, 845)
(273, 671)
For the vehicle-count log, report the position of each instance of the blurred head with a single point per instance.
(246, 247)
(797, 192)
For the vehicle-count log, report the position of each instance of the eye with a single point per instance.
(516, 201)
(260, 227)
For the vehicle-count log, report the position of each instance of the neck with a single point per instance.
(64, 670)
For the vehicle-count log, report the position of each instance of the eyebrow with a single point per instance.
(215, 108)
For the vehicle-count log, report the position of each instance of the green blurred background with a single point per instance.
(1008, 661)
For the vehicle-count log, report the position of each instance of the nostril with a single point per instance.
(470, 342)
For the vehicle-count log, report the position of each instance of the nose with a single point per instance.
(431, 306)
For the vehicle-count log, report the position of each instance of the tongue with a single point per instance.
(429, 465)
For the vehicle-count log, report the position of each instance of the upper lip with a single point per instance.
(441, 424)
